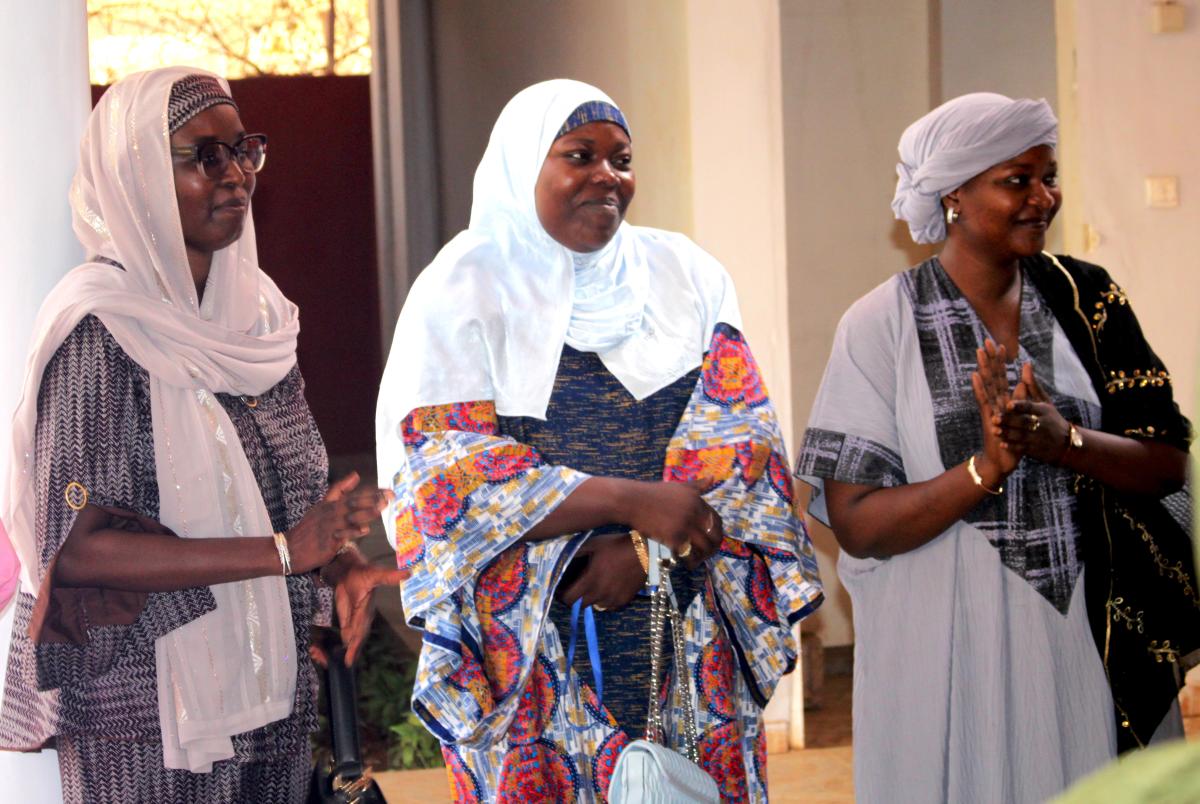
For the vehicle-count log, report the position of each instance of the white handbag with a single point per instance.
(648, 772)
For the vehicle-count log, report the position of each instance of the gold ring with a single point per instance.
(1037, 422)
(598, 607)
(685, 551)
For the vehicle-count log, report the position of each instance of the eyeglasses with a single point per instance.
(213, 158)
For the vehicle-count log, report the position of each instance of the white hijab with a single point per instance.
(957, 141)
(488, 318)
(233, 669)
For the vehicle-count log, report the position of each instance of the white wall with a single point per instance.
(44, 95)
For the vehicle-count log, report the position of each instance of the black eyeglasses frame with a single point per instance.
(236, 153)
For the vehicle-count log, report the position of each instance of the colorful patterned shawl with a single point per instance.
(493, 682)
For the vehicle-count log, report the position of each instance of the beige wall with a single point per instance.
(738, 206)
(739, 212)
(1137, 96)
(987, 47)
(854, 75)
(1136, 106)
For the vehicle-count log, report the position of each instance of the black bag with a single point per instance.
(344, 779)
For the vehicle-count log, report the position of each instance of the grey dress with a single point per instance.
(95, 695)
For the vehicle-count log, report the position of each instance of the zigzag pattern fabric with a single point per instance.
(192, 95)
(108, 771)
(95, 429)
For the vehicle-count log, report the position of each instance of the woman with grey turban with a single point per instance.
(167, 490)
(996, 448)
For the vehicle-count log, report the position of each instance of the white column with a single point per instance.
(45, 101)
(738, 213)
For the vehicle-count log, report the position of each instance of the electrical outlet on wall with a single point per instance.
(1162, 192)
(1167, 16)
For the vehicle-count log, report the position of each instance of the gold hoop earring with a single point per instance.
(951, 214)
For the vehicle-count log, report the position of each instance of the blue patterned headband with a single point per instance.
(593, 112)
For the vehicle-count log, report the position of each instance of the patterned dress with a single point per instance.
(97, 695)
(493, 684)
(629, 441)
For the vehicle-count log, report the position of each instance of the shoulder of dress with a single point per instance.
(90, 342)
(1085, 274)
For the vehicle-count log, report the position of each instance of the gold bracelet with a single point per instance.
(639, 546)
(285, 557)
(979, 480)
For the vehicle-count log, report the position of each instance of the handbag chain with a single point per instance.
(662, 609)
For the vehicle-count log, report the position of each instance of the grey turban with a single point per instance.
(957, 141)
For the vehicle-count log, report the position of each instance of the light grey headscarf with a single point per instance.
(957, 141)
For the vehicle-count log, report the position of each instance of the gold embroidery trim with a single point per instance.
(1125, 615)
(1075, 290)
(1163, 652)
(1176, 573)
(1114, 295)
(1151, 378)
(76, 495)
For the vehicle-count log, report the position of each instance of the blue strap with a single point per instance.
(593, 645)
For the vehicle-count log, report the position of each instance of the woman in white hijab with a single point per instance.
(562, 387)
(1001, 522)
(167, 493)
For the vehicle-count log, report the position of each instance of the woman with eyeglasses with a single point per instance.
(167, 492)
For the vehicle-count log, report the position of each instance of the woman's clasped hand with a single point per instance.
(674, 514)
(1017, 422)
(343, 516)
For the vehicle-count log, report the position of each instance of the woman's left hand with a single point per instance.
(613, 575)
(1030, 424)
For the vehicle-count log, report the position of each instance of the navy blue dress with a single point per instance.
(594, 425)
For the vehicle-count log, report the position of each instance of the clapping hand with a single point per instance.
(990, 383)
(1030, 424)
(345, 514)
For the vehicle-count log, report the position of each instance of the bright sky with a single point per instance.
(234, 38)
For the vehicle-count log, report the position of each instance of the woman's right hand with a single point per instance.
(344, 514)
(992, 394)
(676, 515)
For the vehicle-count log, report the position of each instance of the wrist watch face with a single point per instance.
(1076, 437)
